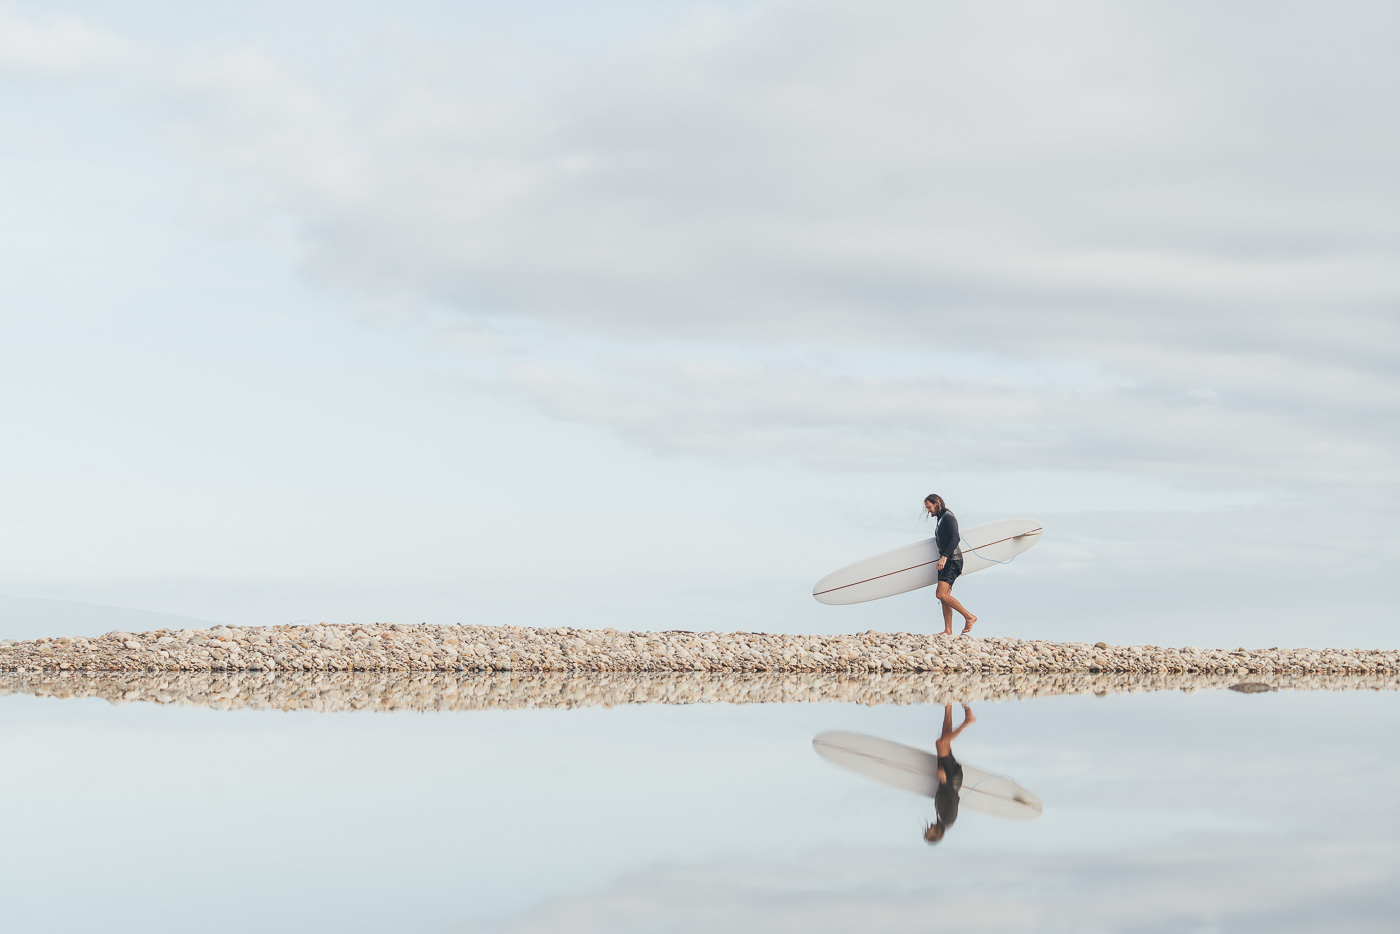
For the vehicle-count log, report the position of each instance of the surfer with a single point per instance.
(950, 776)
(950, 562)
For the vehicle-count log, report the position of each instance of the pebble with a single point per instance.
(401, 647)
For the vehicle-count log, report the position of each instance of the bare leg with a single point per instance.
(944, 743)
(950, 603)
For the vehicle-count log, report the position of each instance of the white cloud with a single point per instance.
(1193, 198)
(55, 44)
(923, 420)
(1193, 201)
(898, 163)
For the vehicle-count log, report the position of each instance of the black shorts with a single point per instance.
(950, 571)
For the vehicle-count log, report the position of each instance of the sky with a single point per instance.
(648, 315)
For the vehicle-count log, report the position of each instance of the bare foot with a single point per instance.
(968, 627)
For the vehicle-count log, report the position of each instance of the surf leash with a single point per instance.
(984, 557)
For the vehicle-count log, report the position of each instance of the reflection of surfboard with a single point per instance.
(910, 769)
(916, 565)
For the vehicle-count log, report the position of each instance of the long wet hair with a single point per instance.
(937, 500)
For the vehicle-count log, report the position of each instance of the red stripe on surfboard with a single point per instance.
(922, 564)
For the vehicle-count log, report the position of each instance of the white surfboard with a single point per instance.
(916, 565)
(910, 769)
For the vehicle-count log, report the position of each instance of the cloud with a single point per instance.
(1190, 198)
(1191, 201)
(924, 420)
(55, 45)
(899, 172)
(1229, 887)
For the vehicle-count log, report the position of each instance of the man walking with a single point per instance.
(950, 562)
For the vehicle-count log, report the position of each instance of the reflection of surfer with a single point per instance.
(951, 784)
(950, 775)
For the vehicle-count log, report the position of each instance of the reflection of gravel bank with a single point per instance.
(333, 691)
(390, 647)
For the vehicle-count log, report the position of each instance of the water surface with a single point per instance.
(1171, 811)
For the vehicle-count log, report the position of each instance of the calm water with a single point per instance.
(1213, 811)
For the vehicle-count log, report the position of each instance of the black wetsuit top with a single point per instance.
(945, 799)
(947, 536)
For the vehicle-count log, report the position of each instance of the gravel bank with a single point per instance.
(447, 691)
(398, 647)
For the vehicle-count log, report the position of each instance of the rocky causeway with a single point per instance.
(397, 647)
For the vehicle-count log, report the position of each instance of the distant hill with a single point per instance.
(30, 618)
